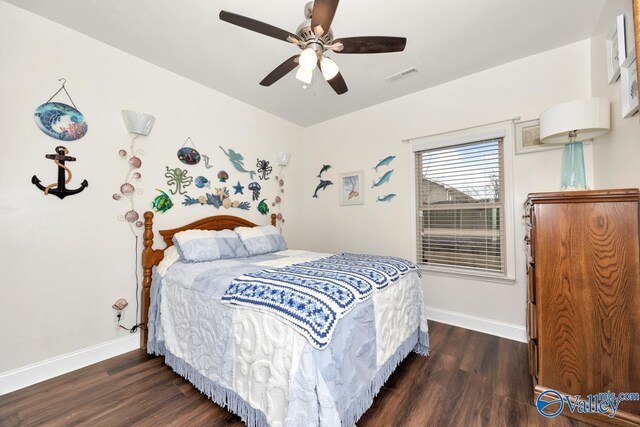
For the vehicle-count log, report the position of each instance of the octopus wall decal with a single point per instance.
(179, 178)
(264, 170)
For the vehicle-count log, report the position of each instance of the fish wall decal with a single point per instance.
(384, 179)
(201, 182)
(386, 198)
(263, 208)
(384, 162)
(162, 202)
(321, 186)
(324, 169)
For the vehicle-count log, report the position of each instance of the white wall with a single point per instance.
(359, 140)
(617, 152)
(64, 262)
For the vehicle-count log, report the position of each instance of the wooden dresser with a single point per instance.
(584, 296)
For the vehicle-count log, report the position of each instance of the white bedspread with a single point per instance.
(261, 358)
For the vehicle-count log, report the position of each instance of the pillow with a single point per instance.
(261, 240)
(171, 256)
(207, 245)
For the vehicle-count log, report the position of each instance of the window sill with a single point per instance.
(485, 277)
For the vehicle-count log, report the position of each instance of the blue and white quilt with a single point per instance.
(313, 296)
(258, 366)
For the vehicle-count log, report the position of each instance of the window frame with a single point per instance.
(502, 130)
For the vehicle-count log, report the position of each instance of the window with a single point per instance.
(460, 206)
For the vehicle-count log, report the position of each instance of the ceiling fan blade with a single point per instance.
(257, 26)
(338, 84)
(280, 71)
(323, 13)
(371, 44)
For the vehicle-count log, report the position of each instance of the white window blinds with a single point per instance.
(460, 206)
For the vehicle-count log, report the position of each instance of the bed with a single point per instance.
(260, 364)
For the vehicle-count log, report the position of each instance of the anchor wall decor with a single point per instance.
(59, 188)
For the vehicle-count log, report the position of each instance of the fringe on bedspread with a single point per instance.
(156, 348)
(220, 395)
(418, 342)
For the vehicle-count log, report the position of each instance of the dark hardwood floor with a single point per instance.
(470, 379)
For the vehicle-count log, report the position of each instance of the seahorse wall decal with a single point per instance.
(237, 160)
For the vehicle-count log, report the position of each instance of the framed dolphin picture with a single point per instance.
(352, 188)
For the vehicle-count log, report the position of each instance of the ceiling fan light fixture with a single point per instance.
(305, 76)
(329, 68)
(308, 59)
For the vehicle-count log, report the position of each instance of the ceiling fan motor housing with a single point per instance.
(306, 34)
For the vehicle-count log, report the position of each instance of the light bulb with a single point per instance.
(304, 76)
(308, 59)
(329, 68)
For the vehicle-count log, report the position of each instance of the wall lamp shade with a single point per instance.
(138, 123)
(283, 158)
(571, 123)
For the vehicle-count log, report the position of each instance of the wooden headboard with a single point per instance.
(151, 257)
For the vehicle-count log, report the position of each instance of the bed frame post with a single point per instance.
(273, 219)
(147, 265)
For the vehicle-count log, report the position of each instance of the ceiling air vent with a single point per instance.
(401, 74)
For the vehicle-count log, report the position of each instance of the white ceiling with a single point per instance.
(446, 40)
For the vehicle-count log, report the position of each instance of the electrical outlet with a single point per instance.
(118, 316)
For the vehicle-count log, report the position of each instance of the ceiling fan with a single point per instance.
(315, 38)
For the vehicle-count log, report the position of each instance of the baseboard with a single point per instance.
(47, 369)
(480, 324)
(31, 374)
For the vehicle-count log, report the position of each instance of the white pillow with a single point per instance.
(171, 256)
(261, 240)
(208, 245)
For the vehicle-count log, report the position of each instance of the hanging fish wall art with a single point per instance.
(188, 155)
(61, 121)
